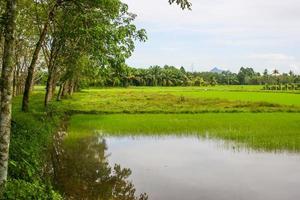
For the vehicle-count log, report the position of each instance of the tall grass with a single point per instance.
(267, 131)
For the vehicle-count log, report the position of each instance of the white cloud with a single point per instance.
(273, 57)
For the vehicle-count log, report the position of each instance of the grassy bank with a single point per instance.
(31, 141)
(266, 131)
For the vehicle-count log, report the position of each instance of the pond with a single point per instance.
(175, 168)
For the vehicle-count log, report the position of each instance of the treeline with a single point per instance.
(171, 76)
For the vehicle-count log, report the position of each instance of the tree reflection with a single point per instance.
(83, 172)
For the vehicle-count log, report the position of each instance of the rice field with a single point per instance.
(183, 100)
(260, 131)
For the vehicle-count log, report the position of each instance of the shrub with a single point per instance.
(22, 190)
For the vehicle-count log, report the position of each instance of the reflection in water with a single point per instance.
(82, 172)
(174, 168)
(190, 168)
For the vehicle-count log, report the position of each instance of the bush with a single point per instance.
(30, 149)
(30, 140)
(22, 190)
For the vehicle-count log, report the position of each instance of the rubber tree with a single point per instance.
(108, 36)
(70, 33)
(35, 56)
(7, 89)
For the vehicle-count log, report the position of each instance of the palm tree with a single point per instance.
(276, 74)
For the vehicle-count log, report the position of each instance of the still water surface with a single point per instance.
(176, 168)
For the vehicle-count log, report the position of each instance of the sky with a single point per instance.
(228, 34)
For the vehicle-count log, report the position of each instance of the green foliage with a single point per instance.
(183, 3)
(22, 190)
(282, 87)
(31, 140)
(94, 34)
(173, 76)
(245, 75)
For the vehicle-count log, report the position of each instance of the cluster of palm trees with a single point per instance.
(124, 76)
(153, 76)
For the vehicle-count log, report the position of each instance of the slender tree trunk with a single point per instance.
(64, 89)
(54, 81)
(14, 84)
(18, 82)
(48, 94)
(49, 88)
(31, 68)
(71, 87)
(6, 93)
(59, 94)
(29, 79)
(52, 69)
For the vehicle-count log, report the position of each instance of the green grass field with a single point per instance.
(183, 100)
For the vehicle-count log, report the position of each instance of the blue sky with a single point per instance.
(219, 33)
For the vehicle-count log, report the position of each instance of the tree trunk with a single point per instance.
(54, 81)
(49, 90)
(14, 84)
(52, 69)
(59, 94)
(50, 87)
(31, 68)
(29, 79)
(6, 93)
(71, 87)
(64, 89)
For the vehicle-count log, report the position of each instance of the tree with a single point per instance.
(29, 79)
(105, 41)
(276, 75)
(101, 29)
(6, 90)
(245, 75)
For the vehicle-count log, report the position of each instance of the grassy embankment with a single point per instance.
(31, 141)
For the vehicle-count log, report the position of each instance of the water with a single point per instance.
(175, 168)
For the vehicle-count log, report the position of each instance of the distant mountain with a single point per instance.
(216, 70)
